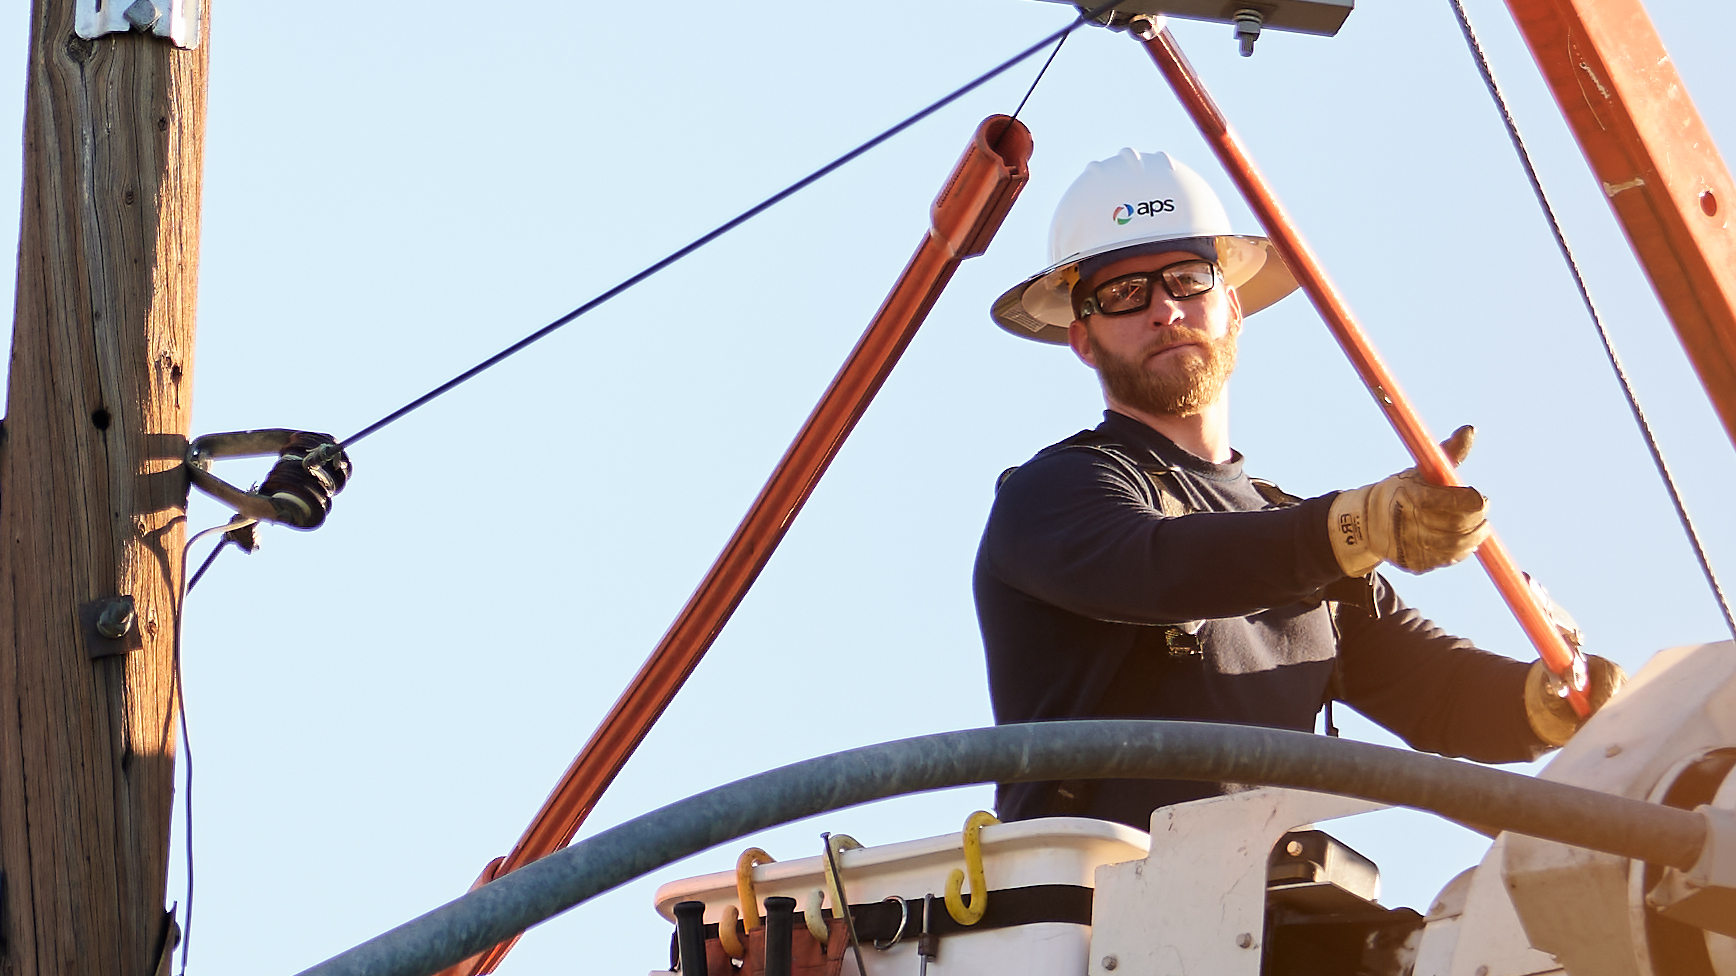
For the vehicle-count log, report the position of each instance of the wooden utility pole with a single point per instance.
(92, 496)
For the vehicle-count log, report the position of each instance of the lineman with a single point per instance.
(1135, 571)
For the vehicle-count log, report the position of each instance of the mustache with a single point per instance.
(1175, 335)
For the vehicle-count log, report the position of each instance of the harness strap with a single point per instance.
(1170, 494)
(1351, 595)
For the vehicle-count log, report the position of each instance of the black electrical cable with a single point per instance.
(215, 552)
(1596, 319)
(713, 235)
(180, 704)
(1096, 749)
(187, 767)
(1039, 79)
(187, 749)
(1084, 17)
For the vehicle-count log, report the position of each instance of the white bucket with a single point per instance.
(1053, 851)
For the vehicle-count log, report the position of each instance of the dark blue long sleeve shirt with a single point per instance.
(1082, 582)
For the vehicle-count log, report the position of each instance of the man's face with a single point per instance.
(1173, 357)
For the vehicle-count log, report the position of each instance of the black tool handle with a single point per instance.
(690, 935)
(928, 943)
(780, 916)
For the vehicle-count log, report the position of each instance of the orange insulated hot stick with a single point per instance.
(1558, 655)
(971, 205)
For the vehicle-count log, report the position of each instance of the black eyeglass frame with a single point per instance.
(1092, 305)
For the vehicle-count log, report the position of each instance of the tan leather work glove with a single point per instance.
(1550, 713)
(1408, 522)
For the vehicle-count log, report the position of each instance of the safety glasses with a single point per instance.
(1132, 293)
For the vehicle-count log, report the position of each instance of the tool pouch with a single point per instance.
(807, 957)
(717, 962)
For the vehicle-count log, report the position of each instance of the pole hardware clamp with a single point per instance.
(1248, 17)
(311, 468)
(1248, 21)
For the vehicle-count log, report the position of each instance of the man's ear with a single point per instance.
(1235, 310)
(1080, 340)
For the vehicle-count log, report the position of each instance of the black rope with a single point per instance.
(742, 218)
(1596, 319)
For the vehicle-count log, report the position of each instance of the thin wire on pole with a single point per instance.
(216, 551)
(1596, 319)
(180, 700)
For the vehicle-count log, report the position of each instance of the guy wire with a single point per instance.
(1591, 308)
(1084, 17)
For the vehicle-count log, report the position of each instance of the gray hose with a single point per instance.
(1021, 753)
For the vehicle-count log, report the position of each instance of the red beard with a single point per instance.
(1182, 387)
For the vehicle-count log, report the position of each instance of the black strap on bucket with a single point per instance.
(879, 922)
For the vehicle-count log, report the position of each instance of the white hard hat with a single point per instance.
(1129, 204)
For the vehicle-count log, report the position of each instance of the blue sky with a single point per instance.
(378, 707)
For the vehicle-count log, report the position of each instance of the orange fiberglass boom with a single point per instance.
(1656, 163)
(964, 218)
(1558, 655)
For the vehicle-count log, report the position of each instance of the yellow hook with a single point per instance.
(726, 936)
(813, 915)
(744, 865)
(973, 861)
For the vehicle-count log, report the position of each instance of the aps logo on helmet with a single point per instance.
(1150, 208)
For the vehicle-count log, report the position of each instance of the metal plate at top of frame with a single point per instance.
(174, 20)
(1302, 16)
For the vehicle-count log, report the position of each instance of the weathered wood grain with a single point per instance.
(92, 502)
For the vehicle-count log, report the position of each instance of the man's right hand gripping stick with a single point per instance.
(1406, 521)
(1418, 526)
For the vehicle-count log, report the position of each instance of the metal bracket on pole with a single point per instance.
(180, 22)
(109, 627)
